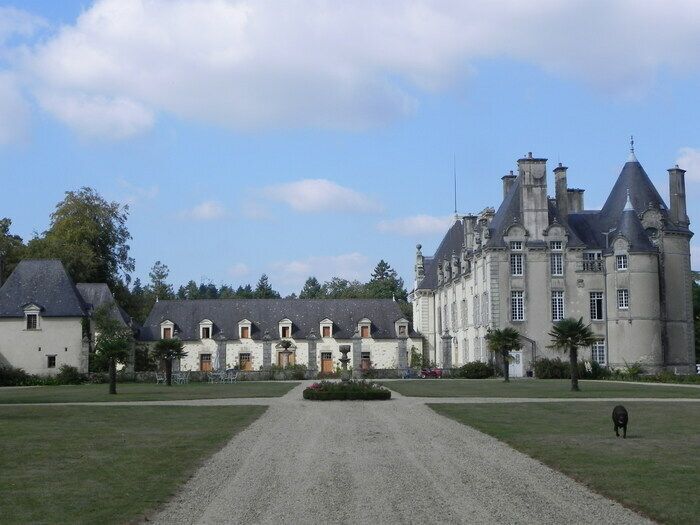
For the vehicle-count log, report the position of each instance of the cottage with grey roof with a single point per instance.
(624, 268)
(42, 315)
(219, 334)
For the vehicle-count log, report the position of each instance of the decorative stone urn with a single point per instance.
(345, 374)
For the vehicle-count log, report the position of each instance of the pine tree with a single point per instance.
(312, 289)
(159, 287)
(263, 290)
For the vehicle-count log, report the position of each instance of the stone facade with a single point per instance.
(625, 269)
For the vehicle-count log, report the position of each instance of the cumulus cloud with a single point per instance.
(345, 65)
(689, 160)
(416, 225)
(206, 211)
(294, 273)
(18, 23)
(321, 195)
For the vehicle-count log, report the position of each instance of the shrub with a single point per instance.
(474, 370)
(295, 371)
(551, 368)
(69, 375)
(346, 391)
(10, 376)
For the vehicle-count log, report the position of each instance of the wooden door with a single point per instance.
(326, 362)
(205, 362)
(244, 362)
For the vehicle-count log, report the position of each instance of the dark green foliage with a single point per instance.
(10, 376)
(69, 375)
(474, 370)
(89, 235)
(558, 369)
(569, 335)
(11, 249)
(352, 390)
(312, 289)
(263, 290)
(167, 350)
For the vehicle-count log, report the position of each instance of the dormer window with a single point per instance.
(326, 328)
(285, 329)
(365, 326)
(31, 317)
(206, 329)
(402, 327)
(244, 329)
(167, 328)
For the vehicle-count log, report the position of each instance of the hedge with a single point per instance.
(346, 391)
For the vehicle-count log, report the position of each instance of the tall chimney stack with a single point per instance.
(561, 190)
(508, 181)
(575, 197)
(676, 191)
(534, 204)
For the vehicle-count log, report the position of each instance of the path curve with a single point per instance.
(378, 462)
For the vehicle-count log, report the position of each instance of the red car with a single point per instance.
(435, 373)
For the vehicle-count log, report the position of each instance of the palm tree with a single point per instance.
(570, 334)
(168, 350)
(114, 342)
(503, 341)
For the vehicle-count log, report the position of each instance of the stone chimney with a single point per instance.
(676, 192)
(533, 195)
(508, 181)
(420, 264)
(560, 189)
(575, 197)
(469, 226)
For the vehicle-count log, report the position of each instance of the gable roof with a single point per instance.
(95, 295)
(45, 283)
(265, 314)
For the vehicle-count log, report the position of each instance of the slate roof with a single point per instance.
(265, 314)
(452, 242)
(630, 227)
(509, 208)
(95, 295)
(43, 282)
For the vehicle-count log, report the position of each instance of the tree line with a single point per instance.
(89, 235)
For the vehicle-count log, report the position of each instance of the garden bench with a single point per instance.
(217, 377)
(230, 377)
(160, 378)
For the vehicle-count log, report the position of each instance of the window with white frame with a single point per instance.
(517, 305)
(621, 262)
(476, 311)
(285, 328)
(167, 329)
(206, 329)
(596, 303)
(365, 328)
(516, 245)
(598, 352)
(485, 309)
(244, 329)
(516, 264)
(326, 328)
(32, 321)
(623, 299)
(557, 305)
(556, 246)
(556, 263)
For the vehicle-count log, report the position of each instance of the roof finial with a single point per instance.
(632, 157)
(628, 204)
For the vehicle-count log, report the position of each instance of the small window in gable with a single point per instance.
(31, 317)
(285, 329)
(326, 331)
(32, 321)
(167, 329)
(244, 329)
(326, 328)
(403, 329)
(206, 332)
(206, 329)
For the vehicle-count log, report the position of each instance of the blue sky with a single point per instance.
(259, 137)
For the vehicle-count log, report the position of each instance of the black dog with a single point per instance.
(620, 419)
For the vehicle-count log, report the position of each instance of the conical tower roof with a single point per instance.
(630, 227)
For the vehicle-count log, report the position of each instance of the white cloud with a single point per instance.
(206, 211)
(134, 193)
(689, 160)
(321, 195)
(294, 273)
(238, 270)
(15, 22)
(314, 63)
(416, 225)
(14, 111)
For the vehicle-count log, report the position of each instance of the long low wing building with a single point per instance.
(221, 334)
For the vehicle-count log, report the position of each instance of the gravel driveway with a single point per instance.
(377, 462)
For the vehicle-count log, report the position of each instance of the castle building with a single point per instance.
(625, 269)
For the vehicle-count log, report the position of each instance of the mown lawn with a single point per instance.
(104, 464)
(544, 388)
(143, 392)
(656, 470)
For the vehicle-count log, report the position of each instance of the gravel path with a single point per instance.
(377, 462)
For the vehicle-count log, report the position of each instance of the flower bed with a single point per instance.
(352, 390)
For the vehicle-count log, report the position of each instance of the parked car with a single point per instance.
(435, 373)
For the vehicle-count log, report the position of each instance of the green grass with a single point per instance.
(544, 388)
(656, 470)
(104, 464)
(143, 392)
